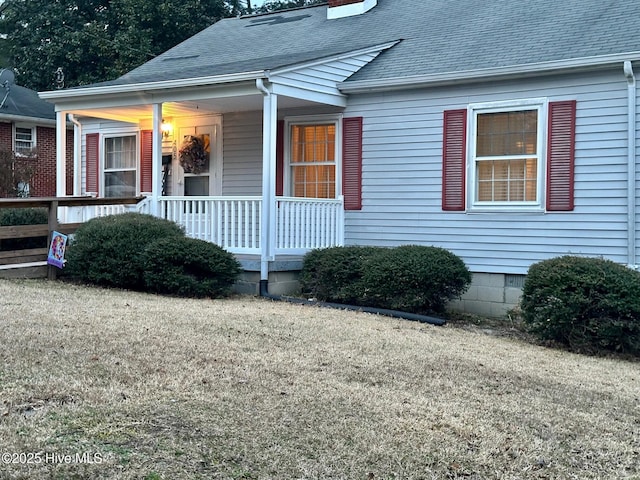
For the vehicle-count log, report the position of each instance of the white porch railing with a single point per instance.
(303, 224)
(86, 213)
(234, 223)
(231, 222)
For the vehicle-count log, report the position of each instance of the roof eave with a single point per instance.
(9, 117)
(473, 76)
(151, 86)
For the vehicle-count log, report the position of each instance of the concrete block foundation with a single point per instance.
(490, 295)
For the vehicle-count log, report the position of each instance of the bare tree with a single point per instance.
(16, 173)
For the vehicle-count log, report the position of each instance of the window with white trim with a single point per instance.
(510, 156)
(506, 156)
(313, 158)
(24, 141)
(120, 166)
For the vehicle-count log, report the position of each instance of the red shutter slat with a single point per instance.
(561, 155)
(280, 158)
(352, 163)
(454, 160)
(92, 158)
(146, 161)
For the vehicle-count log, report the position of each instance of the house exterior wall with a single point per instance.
(43, 183)
(104, 127)
(6, 136)
(242, 148)
(44, 179)
(242, 153)
(402, 176)
(324, 76)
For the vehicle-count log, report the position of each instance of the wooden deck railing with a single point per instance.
(13, 262)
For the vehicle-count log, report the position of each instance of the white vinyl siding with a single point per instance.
(324, 76)
(242, 135)
(242, 154)
(402, 176)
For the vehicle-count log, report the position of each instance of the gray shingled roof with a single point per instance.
(23, 102)
(438, 36)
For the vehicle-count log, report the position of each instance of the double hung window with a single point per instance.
(507, 160)
(509, 156)
(24, 140)
(120, 159)
(313, 159)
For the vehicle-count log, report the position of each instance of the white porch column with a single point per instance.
(268, 220)
(61, 154)
(156, 175)
(77, 156)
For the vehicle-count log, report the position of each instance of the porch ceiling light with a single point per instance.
(166, 128)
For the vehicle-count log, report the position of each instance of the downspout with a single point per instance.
(77, 155)
(631, 165)
(268, 193)
(266, 242)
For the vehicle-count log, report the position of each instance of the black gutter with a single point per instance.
(264, 292)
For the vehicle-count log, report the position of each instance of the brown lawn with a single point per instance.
(110, 384)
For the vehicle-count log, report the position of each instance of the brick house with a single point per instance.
(28, 129)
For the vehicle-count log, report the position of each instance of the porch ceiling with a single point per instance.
(205, 106)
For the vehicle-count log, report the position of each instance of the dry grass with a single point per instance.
(163, 388)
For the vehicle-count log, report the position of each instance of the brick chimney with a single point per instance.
(348, 8)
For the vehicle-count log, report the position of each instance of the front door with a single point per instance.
(199, 175)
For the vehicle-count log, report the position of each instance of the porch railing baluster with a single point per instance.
(234, 222)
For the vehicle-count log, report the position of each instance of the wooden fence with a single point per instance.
(31, 263)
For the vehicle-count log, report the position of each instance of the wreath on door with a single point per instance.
(193, 154)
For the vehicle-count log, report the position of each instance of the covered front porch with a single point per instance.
(279, 160)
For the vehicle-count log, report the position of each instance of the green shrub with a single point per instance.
(411, 278)
(332, 274)
(108, 250)
(588, 304)
(23, 216)
(189, 267)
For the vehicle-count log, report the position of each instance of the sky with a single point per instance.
(257, 3)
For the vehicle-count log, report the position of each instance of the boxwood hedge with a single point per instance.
(588, 304)
(410, 278)
(108, 250)
(189, 267)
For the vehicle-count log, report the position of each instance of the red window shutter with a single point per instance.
(561, 156)
(454, 160)
(280, 158)
(146, 161)
(352, 163)
(92, 158)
